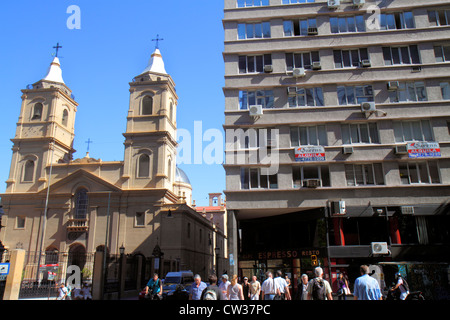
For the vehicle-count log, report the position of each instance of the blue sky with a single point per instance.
(98, 61)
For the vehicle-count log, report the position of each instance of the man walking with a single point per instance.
(255, 289)
(282, 287)
(212, 292)
(319, 288)
(197, 288)
(268, 287)
(366, 287)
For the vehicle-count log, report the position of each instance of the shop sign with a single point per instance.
(310, 154)
(284, 254)
(423, 149)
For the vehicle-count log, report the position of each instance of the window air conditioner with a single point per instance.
(366, 63)
(338, 208)
(401, 149)
(311, 183)
(299, 72)
(256, 110)
(407, 209)
(358, 3)
(347, 150)
(292, 91)
(333, 4)
(316, 65)
(312, 31)
(268, 68)
(368, 106)
(392, 85)
(379, 248)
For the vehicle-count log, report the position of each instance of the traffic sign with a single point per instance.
(4, 269)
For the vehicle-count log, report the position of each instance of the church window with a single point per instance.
(37, 111)
(81, 204)
(147, 105)
(28, 173)
(140, 219)
(144, 166)
(20, 222)
(65, 117)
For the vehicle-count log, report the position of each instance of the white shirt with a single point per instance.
(268, 286)
(280, 284)
(224, 287)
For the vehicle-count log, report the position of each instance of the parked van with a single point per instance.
(173, 279)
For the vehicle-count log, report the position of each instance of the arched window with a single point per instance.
(65, 117)
(28, 171)
(37, 111)
(144, 166)
(147, 105)
(81, 204)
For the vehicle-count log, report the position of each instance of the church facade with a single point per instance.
(54, 203)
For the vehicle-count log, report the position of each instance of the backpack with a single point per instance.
(210, 294)
(318, 289)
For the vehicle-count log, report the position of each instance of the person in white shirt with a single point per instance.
(224, 286)
(282, 287)
(268, 287)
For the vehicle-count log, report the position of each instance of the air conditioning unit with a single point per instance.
(313, 31)
(338, 208)
(368, 106)
(316, 65)
(347, 150)
(365, 63)
(392, 85)
(268, 68)
(379, 248)
(292, 91)
(401, 149)
(299, 72)
(333, 4)
(358, 3)
(311, 183)
(256, 110)
(407, 209)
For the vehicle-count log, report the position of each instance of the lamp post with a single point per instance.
(122, 252)
(217, 250)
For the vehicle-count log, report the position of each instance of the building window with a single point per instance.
(354, 95)
(28, 171)
(254, 64)
(442, 53)
(408, 91)
(311, 97)
(426, 172)
(445, 90)
(65, 117)
(253, 30)
(348, 24)
(303, 27)
(301, 175)
(439, 17)
(37, 111)
(349, 58)
(364, 174)
(144, 166)
(252, 3)
(265, 98)
(169, 169)
(401, 55)
(398, 20)
(254, 138)
(308, 136)
(147, 106)
(298, 1)
(20, 222)
(81, 204)
(360, 133)
(171, 115)
(253, 178)
(139, 220)
(301, 60)
(405, 131)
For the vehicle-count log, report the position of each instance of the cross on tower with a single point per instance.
(88, 143)
(57, 48)
(158, 39)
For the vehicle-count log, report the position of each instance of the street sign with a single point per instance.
(4, 269)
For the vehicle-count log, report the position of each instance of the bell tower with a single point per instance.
(45, 131)
(150, 138)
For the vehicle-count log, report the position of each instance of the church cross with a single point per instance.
(88, 143)
(158, 39)
(57, 48)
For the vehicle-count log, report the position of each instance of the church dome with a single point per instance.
(181, 176)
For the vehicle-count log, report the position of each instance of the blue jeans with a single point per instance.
(269, 296)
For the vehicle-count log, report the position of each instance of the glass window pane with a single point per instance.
(426, 130)
(351, 24)
(403, 171)
(413, 174)
(250, 31)
(379, 176)
(432, 18)
(438, 54)
(354, 133)
(266, 29)
(417, 132)
(364, 131)
(294, 137)
(259, 64)
(304, 27)
(251, 98)
(359, 175)
(442, 18)
(373, 133)
(298, 63)
(346, 58)
(258, 30)
(387, 56)
(421, 91)
(254, 178)
(341, 96)
(337, 59)
(313, 136)
(411, 92)
(264, 181)
(251, 64)
(346, 134)
(319, 97)
(409, 19)
(322, 136)
(398, 132)
(434, 171)
(446, 53)
(241, 31)
(244, 178)
(395, 56)
(287, 25)
(405, 55)
(325, 176)
(296, 177)
(310, 173)
(307, 61)
(360, 24)
(309, 97)
(303, 136)
(423, 171)
(390, 20)
(242, 64)
(349, 175)
(407, 131)
(414, 54)
(273, 181)
(368, 174)
(334, 25)
(445, 90)
(342, 25)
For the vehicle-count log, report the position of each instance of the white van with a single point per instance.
(184, 278)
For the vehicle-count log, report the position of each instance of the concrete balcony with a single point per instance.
(78, 225)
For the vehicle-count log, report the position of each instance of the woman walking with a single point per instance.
(234, 291)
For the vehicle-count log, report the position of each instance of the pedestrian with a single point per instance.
(234, 290)
(366, 287)
(224, 285)
(401, 285)
(343, 288)
(319, 288)
(196, 290)
(69, 292)
(212, 292)
(86, 292)
(62, 292)
(246, 289)
(154, 286)
(268, 287)
(255, 289)
(281, 287)
(302, 288)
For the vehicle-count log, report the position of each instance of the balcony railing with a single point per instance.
(77, 225)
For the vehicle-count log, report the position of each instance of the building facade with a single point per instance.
(337, 126)
(54, 203)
